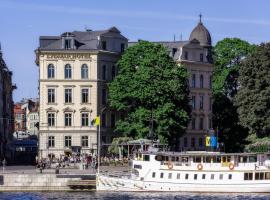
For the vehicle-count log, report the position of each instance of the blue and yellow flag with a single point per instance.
(208, 141)
(96, 121)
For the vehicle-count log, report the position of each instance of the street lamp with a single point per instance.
(99, 142)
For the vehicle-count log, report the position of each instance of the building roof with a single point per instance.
(84, 40)
(201, 34)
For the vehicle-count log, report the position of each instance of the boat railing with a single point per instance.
(117, 174)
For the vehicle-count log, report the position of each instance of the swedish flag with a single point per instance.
(96, 121)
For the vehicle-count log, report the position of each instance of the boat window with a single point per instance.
(178, 176)
(230, 176)
(216, 159)
(208, 159)
(259, 176)
(137, 167)
(158, 158)
(203, 176)
(212, 176)
(267, 175)
(177, 159)
(252, 159)
(146, 157)
(195, 176)
(243, 159)
(197, 159)
(161, 175)
(170, 176)
(221, 177)
(248, 176)
(153, 174)
(184, 159)
(173, 158)
(186, 177)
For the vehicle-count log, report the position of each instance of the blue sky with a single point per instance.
(23, 21)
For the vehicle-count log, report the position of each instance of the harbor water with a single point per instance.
(125, 196)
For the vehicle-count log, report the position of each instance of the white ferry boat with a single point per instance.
(192, 172)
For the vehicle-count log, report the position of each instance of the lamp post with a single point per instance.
(99, 142)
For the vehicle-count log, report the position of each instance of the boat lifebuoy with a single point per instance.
(199, 166)
(170, 165)
(231, 166)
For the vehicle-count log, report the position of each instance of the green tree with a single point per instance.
(150, 86)
(253, 97)
(228, 55)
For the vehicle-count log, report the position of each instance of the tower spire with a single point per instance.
(200, 16)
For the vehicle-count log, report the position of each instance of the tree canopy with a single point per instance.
(228, 55)
(253, 97)
(150, 85)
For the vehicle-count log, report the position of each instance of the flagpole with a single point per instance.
(98, 149)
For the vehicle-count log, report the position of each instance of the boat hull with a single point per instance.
(106, 183)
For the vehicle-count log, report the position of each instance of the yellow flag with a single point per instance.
(208, 141)
(97, 121)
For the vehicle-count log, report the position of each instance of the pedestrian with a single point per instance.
(4, 163)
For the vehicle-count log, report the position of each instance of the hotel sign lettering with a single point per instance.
(69, 56)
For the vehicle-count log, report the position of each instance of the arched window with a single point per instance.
(84, 71)
(68, 71)
(50, 71)
(201, 81)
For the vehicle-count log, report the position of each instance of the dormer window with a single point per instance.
(104, 45)
(67, 43)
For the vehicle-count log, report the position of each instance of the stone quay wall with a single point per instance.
(43, 182)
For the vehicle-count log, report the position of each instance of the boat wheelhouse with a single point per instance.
(193, 172)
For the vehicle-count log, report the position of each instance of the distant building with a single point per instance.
(19, 118)
(6, 106)
(74, 69)
(195, 54)
(32, 118)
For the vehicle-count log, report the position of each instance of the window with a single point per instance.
(68, 95)
(203, 176)
(67, 141)
(201, 101)
(146, 158)
(84, 71)
(185, 142)
(103, 120)
(186, 55)
(200, 142)
(210, 82)
(51, 119)
(193, 101)
(248, 176)
(68, 118)
(201, 81)
(210, 123)
(195, 176)
(153, 174)
(193, 123)
(51, 95)
(161, 175)
(113, 72)
(51, 141)
(85, 119)
(210, 104)
(178, 176)
(212, 176)
(67, 43)
(221, 177)
(201, 57)
(186, 176)
(84, 141)
(192, 142)
(201, 123)
(104, 45)
(122, 47)
(229, 176)
(50, 71)
(170, 176)
(104, 96)
(193, 80)
(104, 72)
(112, 120)
(259, 176)
(68, 71)
(85, 95)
